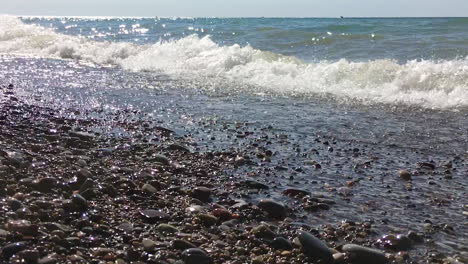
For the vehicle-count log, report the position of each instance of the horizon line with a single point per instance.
(221, 17)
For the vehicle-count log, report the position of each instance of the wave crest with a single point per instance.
(431, 84)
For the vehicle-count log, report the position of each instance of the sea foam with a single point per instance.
(429, 84)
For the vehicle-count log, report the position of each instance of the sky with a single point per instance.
(238, 8)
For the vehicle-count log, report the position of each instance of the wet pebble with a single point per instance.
(151, 215)
(80, 202)
(314, 247)
(405, 175)
(207, 219)
(195, 256)
(281, 243)
(201, 193)
(363, 255)
(273, 209)
(182, 244)
(11, 249)
(167, 229)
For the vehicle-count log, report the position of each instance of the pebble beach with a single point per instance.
(69, 195)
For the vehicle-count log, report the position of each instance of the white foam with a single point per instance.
(428, 84)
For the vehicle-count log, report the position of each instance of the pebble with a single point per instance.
(29, 256)
(207, 219)
(195, 256)
(263, 231)
(281, 243)
(153, 216)
(182, 244)
(295, 192)
(80, 202)
(178, 147)
(405, 175)
(11, 249)
(161, 159)
(314, 247)
(46, 184)
(14, 204)
(201, 193)
(415, 237)
(149, 188)
(222, 214)
(23, 227)
(273, 209)
(363, 255)
(149, 245)
(255, 185)
(167, 229)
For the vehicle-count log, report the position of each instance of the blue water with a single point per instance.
(311, 39)
(395, 88)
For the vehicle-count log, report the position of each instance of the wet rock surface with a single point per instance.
(73, 190)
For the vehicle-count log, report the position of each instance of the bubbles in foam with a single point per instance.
(431, 84)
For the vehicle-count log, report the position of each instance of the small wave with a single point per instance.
(430, 84)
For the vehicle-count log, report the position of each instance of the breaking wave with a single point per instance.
(430, 84)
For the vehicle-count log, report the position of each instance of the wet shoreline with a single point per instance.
(150, 195)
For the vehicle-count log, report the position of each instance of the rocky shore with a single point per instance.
(75, 188)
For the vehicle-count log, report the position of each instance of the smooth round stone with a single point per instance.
(363, 255)
(255, 185)
(46, 184)
(23, 227)
(149, 245)
(405, 175)
(30, 256)
(207, 220)
(194, 209)
(415, 237)
(314, 247)
(11, 249)
(14, 204)
(195, 256)
(404, 243)
(222, 214)
(263, 231)
(167, 229)
(149, 188)
(182, 244)
(273, 209)
(152, 215)
(202, 193)
(281, 243)
(161, 159)
(79, 201)
(295, 192)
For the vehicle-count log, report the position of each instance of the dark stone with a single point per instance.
(255, 185)
(11, 249)
(178, 147)
(363, 255)
(45, 184)
(201, 193)
(295, 192)
(14, 204)
(315, 248)
(80, 202)
(182, 244)
(281, 243)
(273, 209)
(415, 237)
(195, 256)
(82, 135)
(161, 159)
